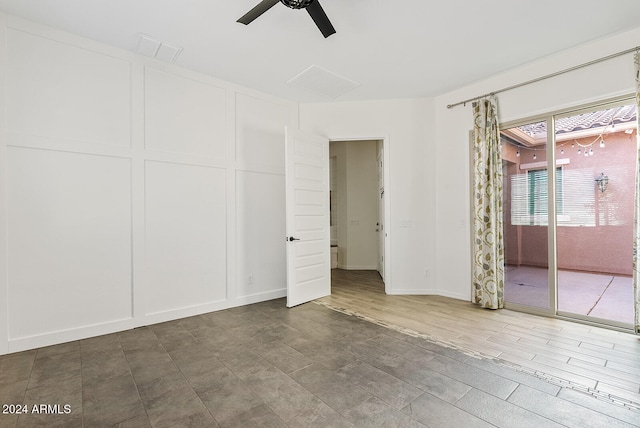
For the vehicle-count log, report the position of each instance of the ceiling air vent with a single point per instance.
(148, 46)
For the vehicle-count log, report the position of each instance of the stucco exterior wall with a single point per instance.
(605, 246)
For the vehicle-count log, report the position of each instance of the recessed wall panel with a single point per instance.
(310, 173)
(261, 233)
(59, 91)
(184, 115)
(309, 223)
(260, 129)
(185, 243)
(69, 241)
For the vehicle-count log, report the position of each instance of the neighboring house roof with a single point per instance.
(613, 116)
(599, 121)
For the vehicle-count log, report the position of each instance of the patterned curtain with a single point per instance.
(488, 246)
(636, 231)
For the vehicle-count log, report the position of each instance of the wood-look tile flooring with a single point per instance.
(600, 360)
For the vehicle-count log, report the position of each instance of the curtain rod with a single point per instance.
(548, 76)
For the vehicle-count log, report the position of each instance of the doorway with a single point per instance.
(358, 205)
(568, 213)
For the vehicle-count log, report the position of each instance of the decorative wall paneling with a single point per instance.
(132, 191)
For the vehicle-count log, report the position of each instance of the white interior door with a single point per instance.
(308, 233)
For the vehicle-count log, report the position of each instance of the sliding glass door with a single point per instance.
(524, 154)
(568, 198)
(595, 219)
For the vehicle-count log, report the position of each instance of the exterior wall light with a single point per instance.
(602, 181)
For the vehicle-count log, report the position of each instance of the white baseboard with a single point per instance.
(357, 267)
(428, 292)
(85, 332)
(458, 296)
(414, 292)
(260, 297)
(57, 337)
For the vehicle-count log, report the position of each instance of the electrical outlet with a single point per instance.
(427, 272)
(250, 278)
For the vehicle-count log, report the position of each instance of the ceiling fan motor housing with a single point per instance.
(311, 6)
(296, 4)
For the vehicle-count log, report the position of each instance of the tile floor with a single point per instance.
(569, 354)
(267, 366)
(595, 295)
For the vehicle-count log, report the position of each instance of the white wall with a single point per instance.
(131, 191)
(409, 128)
(605, 80)
(356, 199)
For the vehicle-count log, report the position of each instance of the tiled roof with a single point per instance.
(616, 115)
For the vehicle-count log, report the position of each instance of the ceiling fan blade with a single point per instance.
(320, 18)
(258, 10)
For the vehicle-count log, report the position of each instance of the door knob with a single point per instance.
(291, 239)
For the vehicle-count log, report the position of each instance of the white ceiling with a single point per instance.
(392, 48)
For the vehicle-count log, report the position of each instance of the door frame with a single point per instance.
(381, 224)
(387, 193)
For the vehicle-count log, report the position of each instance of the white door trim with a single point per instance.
(387, 193)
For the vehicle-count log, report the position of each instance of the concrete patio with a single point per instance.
(589, 294)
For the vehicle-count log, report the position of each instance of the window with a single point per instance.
(530, 197)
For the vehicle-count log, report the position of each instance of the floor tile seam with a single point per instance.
(563, 383)
(506, 400)
(454, 404)
(390, 406)
(633, 371)
(268, 407)
(219, 421)
(26, 389)
(371, 395)
(463, 381)
(395, 409)
(82, 391)
(576, 369)
(393, 406)
(615, 373)
(33, 363)
(188, 382)
(314, 395)
(616, 359)
(542, 350)
(195, 393)
(566, 339)
(264, 403)
(146, 413)
(594, 347)
(554, 380)
(569, 329)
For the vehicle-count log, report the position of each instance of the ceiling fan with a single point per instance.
(313, 7)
